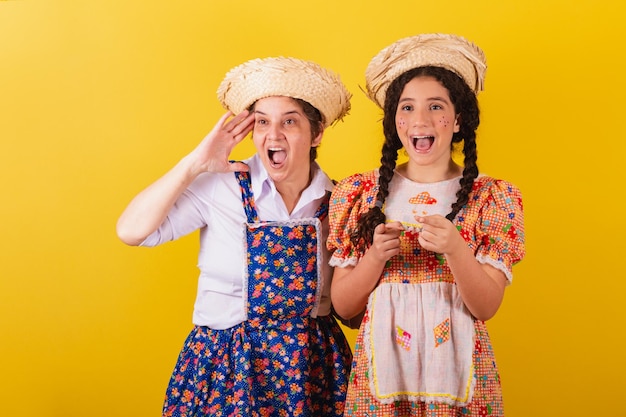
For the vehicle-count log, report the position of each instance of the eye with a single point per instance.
(261, 121)
(290, 121)
(436, 107)
(406, 107)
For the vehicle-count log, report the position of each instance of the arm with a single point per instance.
(481, 286)
(149, 208)
(352, 285)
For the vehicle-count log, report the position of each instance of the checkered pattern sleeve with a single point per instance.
(499, 229)
(351, 197)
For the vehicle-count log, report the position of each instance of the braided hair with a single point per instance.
(466, 106)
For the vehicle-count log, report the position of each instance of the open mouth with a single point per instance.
(423, 143)
(276, 156)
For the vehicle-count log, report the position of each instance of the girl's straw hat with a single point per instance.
(291, 77)
(434, 49)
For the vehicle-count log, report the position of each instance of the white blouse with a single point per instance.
(212, 203)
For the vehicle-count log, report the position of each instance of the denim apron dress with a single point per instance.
(283, 360)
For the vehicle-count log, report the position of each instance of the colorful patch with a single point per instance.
(423, 198)
(403, 338)
(442, 332)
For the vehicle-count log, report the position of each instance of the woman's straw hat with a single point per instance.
(291, 77)
(434, 49)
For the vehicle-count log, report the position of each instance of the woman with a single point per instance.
(264, 341)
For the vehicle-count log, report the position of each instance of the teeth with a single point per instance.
(276, 155)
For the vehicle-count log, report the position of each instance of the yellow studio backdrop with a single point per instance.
(98, 99)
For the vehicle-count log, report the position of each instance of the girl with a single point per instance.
(425, 248)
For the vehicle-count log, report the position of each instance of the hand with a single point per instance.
(439, 234)
(212, 154)
(386, 241)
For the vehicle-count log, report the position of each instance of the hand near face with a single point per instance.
(439, 234)
(212, 154)
(386, 242)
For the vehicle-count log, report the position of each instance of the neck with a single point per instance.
(291, 189)
(430, 174)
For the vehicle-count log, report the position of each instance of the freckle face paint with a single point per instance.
(444, 122)
(401, 122)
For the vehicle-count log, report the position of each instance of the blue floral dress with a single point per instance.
(283, 360)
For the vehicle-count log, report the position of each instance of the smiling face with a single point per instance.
(425, 122)
(283, 139)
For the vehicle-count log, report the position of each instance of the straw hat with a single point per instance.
(435, 49)
(291, 77)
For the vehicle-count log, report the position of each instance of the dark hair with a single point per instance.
(315, 120)
(465, 105)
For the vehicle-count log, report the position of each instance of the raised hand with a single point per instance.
(211, 155)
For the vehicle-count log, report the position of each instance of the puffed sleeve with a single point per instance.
(351, 197)
(500, 227)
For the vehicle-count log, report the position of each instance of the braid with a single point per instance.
(388, 164)
(470, 172)
(466, 106)
(362, 236)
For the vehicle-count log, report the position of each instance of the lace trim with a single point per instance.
(246, 271)
(484, 259)
(342, 263)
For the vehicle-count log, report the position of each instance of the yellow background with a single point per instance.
(98, 99)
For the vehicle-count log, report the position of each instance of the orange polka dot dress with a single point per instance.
(418, 351)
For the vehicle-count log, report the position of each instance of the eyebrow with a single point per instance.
(444, 99)
(287, 113)
(436, 98)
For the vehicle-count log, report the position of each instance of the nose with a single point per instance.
(420, 117)
(275, 131)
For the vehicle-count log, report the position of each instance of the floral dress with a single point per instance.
(283, 360)
(419, 352)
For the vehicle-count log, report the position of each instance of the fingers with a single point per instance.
(239, 126)
(386, 242)
(224, 117)
(395, 226)
(434, 224)
(380, 229)
(386, 232)
(212, 154)
(433, 220)
(439, 234)
(392, 228)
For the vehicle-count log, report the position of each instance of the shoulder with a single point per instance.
(504, 192)
(356, 186)
(320, 179)
(496, 212)
(351, 197)
(359, 180)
